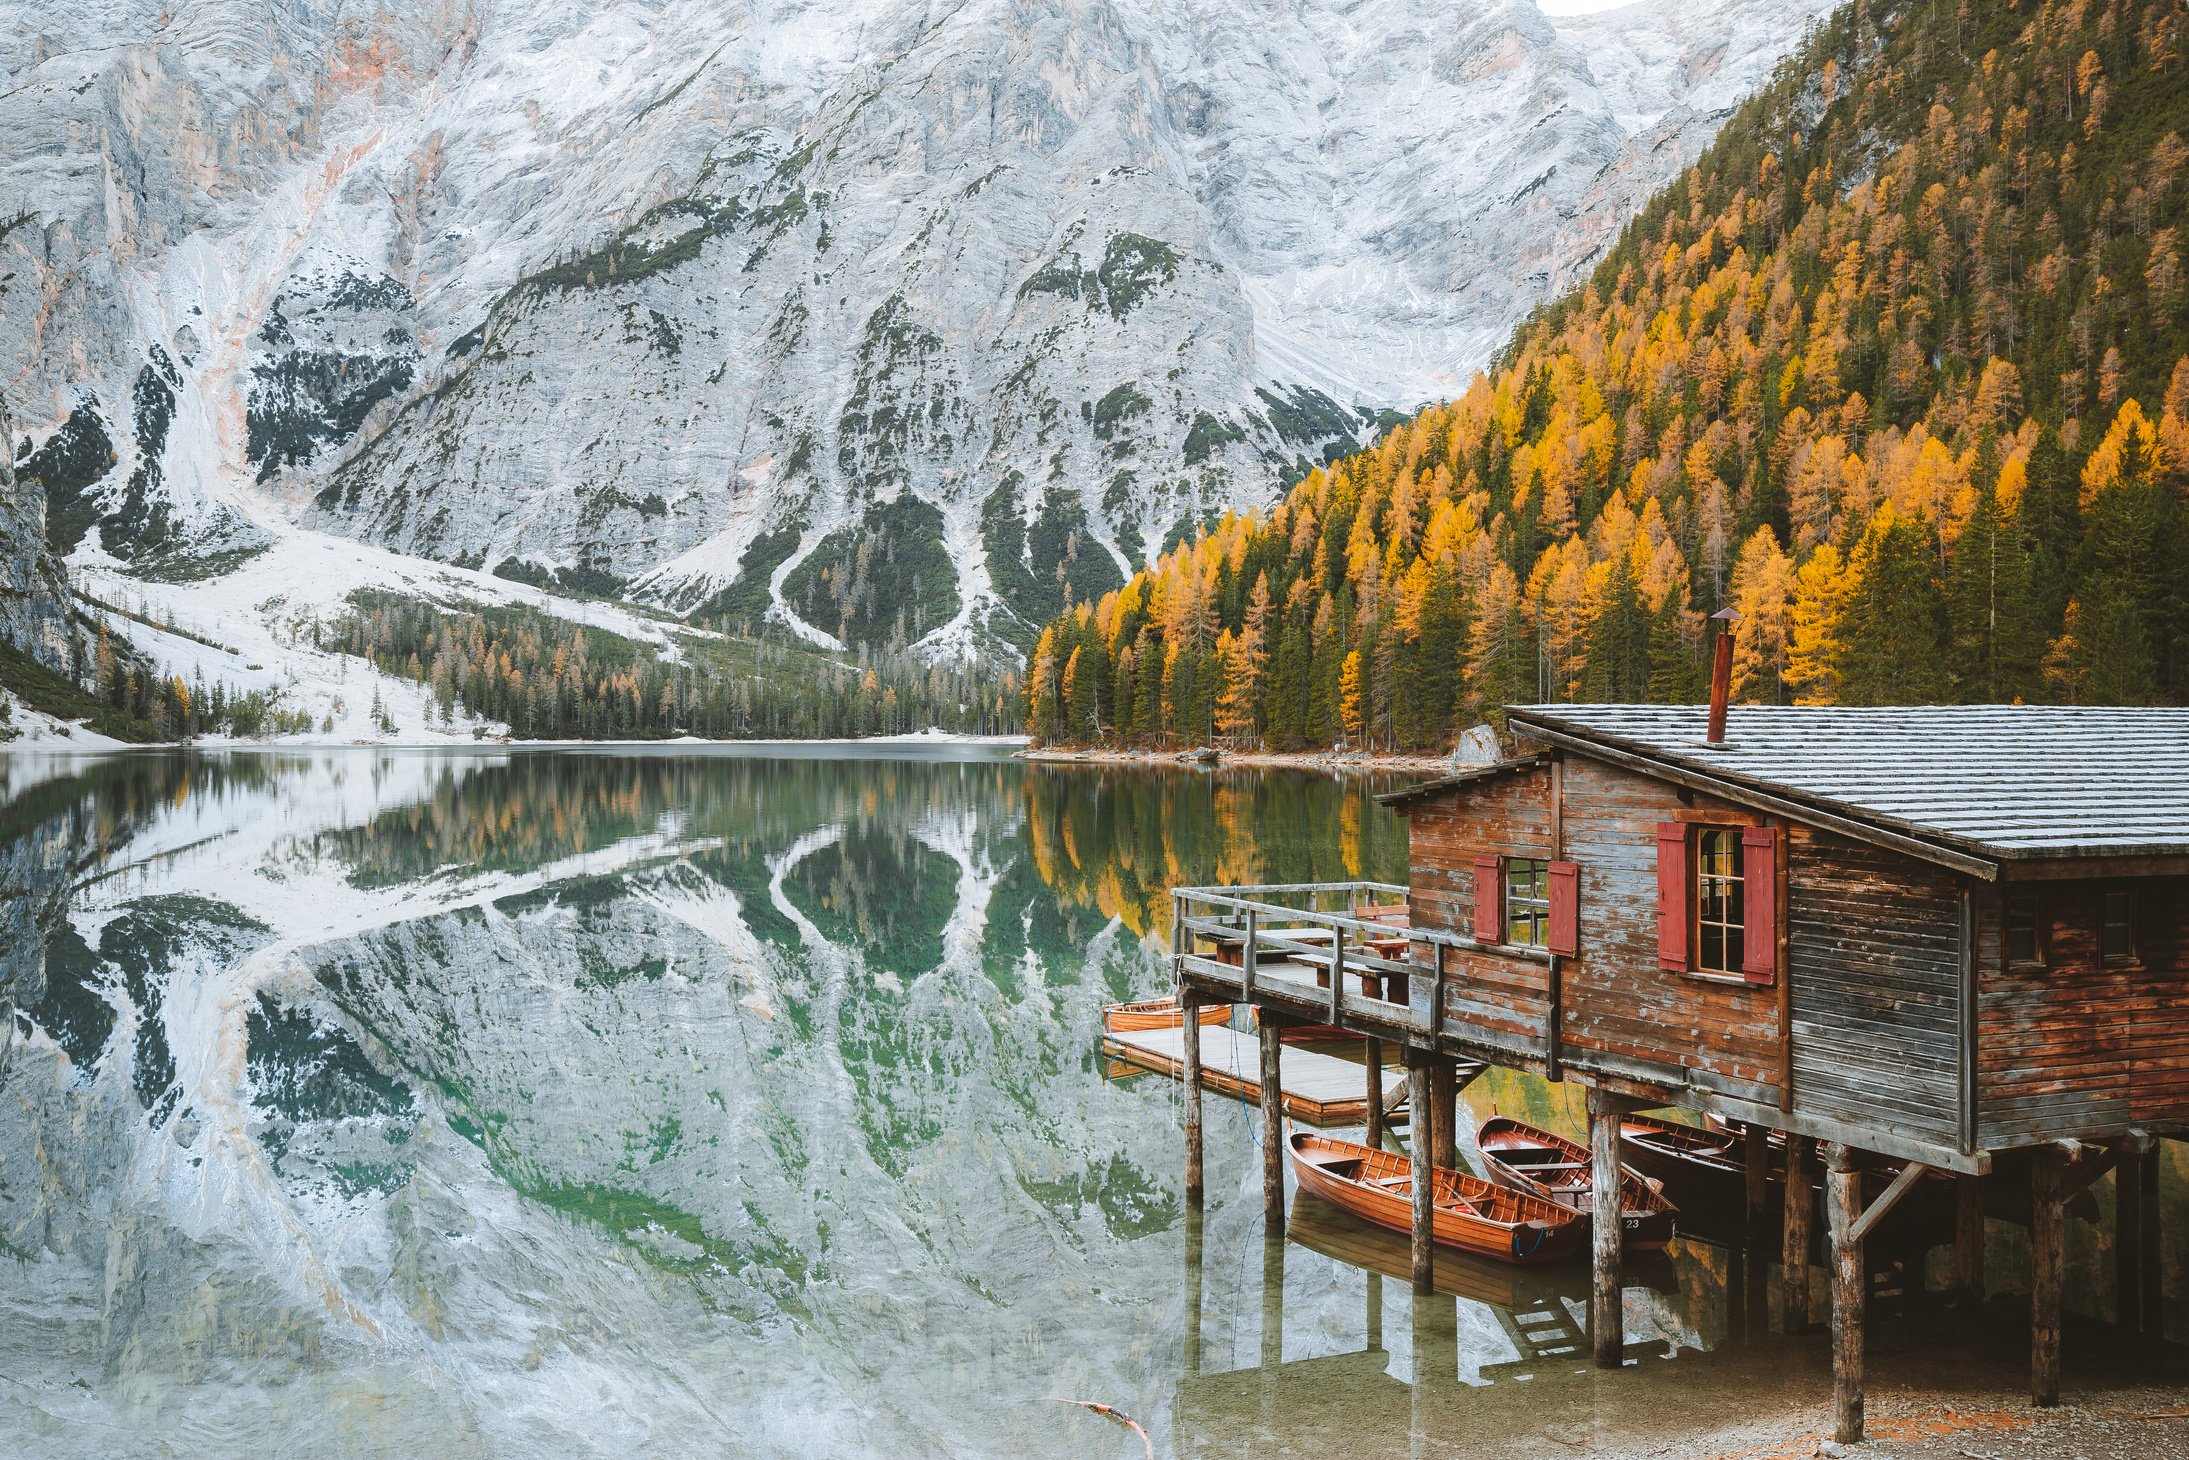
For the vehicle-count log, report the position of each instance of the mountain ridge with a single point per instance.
(709, 306)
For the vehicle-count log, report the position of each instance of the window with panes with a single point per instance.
(2025, 932)
(2117, 927)
(1527, 902)
(1720, 904)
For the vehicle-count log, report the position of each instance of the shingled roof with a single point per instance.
(2006, 782)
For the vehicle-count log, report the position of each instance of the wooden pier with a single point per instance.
(1318, 1088)
(1941, 942)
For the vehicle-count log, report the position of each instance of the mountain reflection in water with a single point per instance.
(606, 1103)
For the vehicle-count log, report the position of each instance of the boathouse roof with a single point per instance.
(2006, 782)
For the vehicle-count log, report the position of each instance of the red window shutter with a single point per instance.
(1565, 935)
(1672, 896)
(1489, 901)
(1760, 898)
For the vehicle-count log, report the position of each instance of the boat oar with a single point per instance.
(1114, 1415)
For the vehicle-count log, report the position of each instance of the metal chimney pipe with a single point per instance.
(1721, 674)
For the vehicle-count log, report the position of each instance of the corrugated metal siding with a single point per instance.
(1874, 954)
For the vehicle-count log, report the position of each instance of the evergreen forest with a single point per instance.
(1898, 371)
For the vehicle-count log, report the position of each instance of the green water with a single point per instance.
(610, 1103)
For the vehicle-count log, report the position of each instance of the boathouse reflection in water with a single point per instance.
(739, 1096)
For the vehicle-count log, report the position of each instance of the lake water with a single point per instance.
(613, 1103)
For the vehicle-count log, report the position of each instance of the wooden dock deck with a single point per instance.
(1318, 1088)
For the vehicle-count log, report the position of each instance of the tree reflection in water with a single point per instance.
(436, 1104)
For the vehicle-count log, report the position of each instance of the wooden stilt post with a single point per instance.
(1800, 1213)
(1273, 1127)
(2152, 1305)
(1374, 1134)
(2047, 1252)
(1968, 1240)
(1843, 1193)
(1607, 1307)
(1756, 1151)
(1191, 1060)
(1754, 1256)
(1273, 1301)
(1194, 1285)
(1444, 1096)
(1375, 1310)
(1424, 1181)
(2128, 1200)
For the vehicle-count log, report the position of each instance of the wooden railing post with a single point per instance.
(1249, 957)
(1337, 976)
(1436, 998)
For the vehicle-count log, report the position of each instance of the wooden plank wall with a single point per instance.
(1620, 1012)
(1617, 1001)
(1874, 951)
(2078, 1048)
(1510, 817)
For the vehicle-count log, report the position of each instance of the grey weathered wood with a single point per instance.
(1874, 943)
(1843, 1195)
(1424, 1178)
(1190, 1057)
(1273, 1128)
(1968, 1239)
(1607, 1295)
(2047, 1262)
(1800, 1210)
(1969, 1089)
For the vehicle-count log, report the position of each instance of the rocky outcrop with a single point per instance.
(34, 607)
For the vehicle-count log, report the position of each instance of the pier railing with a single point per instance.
(1307, 940)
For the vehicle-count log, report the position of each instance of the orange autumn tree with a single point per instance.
(1899, 369)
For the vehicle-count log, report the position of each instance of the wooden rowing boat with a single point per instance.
(1699, 1168)
(1539, 1163)
(1163, 1013)
(1467, 1213)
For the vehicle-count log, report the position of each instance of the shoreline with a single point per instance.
(1330, 761)
(95, 744)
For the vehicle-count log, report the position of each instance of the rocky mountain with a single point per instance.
(881, 321)
(34, 617)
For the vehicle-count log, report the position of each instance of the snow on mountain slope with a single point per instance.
(885, 321)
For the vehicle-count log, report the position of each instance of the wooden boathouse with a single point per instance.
(1952, 938)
